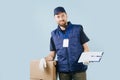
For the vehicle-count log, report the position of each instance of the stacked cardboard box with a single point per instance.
(48, 74)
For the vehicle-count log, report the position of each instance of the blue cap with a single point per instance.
(59, 9)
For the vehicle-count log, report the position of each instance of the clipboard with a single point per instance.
(91, 57)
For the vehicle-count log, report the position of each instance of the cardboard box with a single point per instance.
(48, 74)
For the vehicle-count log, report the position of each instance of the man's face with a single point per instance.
(61, 19)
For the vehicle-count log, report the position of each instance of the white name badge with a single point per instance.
(65, 42)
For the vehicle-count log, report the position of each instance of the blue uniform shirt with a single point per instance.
(83, 38)
(68, 56)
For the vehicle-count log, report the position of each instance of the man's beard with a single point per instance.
(63, 24)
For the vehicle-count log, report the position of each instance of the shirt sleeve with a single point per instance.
(83, 36)
(52, 45)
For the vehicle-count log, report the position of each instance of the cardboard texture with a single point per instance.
(48, 74)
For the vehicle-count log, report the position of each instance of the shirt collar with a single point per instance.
(68, 25)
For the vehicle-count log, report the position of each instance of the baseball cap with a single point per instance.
(59, 9)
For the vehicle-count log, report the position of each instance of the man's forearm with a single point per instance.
(85, 47)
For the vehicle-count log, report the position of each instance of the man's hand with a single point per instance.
(51, 56)
(86, 62)
(42, 64)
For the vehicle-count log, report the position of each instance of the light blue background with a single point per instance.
(25, 28)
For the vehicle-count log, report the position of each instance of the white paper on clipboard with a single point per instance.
(90, 56)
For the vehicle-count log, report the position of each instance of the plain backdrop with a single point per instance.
(26, 25)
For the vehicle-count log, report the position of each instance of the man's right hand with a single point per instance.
(49, 58)
(42, 64)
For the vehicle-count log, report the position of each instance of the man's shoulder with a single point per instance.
(54, 31)
(77, 26)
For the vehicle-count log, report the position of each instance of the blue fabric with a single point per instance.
(68, 56)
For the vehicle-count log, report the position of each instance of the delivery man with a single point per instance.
(67, 42)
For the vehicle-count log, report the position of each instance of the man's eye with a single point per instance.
(62, 15)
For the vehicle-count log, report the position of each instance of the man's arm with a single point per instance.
(51, 56)
(85, 47)
(52, 53)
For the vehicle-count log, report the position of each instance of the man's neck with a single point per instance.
(63, 27)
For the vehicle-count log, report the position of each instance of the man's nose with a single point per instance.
(60, 18)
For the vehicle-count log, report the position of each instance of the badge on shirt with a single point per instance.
(65, 42)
